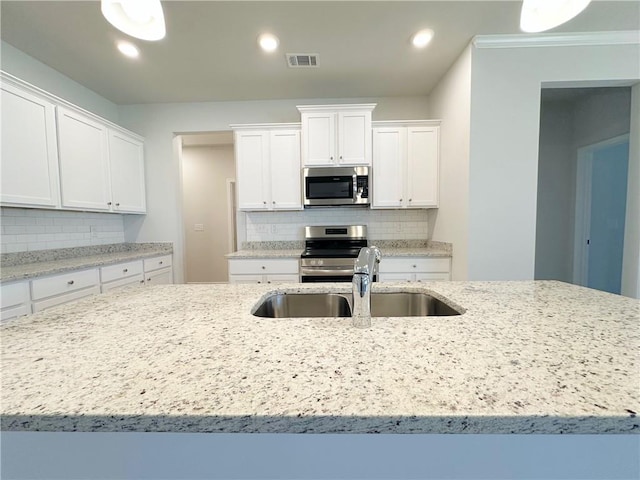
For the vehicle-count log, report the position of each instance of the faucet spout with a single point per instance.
(366, 267)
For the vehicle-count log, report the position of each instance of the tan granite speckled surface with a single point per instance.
(526, 357)
(50, 265)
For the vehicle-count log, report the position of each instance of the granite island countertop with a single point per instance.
(27, 265)
(525, 357)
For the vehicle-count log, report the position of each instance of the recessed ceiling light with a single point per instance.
(141, 19)
(541, 15)
(128, 49)
(268, 42)
(422, 38)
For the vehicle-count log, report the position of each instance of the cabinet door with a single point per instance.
(354, 138)
(126, 162)
(284, 160)
(251, 167)
(318, 138)
(29, 167)
(388, 167)
(84, 168)
(160, 277)
(396, 277)
(422, 162)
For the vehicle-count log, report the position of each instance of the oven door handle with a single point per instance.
(326, 271)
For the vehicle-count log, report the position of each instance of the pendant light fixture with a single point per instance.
(541, 15)
(141, 19)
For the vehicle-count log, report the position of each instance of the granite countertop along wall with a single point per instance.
(389, 248)
(525, 357)
(26, 265)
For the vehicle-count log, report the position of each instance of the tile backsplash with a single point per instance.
(381, 224)
(26, 229)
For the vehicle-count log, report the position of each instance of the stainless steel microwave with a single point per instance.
(336, 186)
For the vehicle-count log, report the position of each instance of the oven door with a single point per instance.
(326, 273)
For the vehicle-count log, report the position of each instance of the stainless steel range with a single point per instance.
(330, 252)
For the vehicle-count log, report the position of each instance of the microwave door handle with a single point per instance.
(355, 187)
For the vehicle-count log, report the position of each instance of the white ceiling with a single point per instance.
(210, 52)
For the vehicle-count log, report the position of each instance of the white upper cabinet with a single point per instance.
(336, 134)
(268, 167)
(126, 162)
(29, 151)
(84, 162)
(405, 164)
(59, 156)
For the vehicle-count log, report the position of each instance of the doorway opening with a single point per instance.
(583, 170)
(208, 204)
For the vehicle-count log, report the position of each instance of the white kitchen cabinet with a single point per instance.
(16, 300)
(336, 134)
(56, 155)
(47, 292)
(84, 161)
(415, 269)
(268, 167)
(406, 164)
(121, 275)
(158, 270)
(126, 167)
(263, 270)
(29, 167)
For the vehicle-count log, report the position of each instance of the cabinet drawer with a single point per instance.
(66, 298)
(65, 283)
(262, 266)
(121, 270)
(14, 294)
(156, 263)
(415, 264)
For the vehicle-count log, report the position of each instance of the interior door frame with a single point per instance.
(584, 169)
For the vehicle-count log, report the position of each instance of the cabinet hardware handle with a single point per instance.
(268, 281)
(410, 199)
(117, 204)
(125, 270)
(259, 281)
(149, 279)
(70, 282)
(263, 267)
(264, 202)
(330, 158)
(274, 202)
(142, 281)
(109, 203)
(414, 266)
(160, 263)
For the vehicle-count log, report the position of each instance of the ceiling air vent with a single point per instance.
(302, 60)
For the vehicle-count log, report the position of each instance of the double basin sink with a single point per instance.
(383, 304)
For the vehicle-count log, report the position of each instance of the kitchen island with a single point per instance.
(524, 357)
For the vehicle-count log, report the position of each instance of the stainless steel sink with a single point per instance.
(383, 304)
(408, 304)
(291, 305)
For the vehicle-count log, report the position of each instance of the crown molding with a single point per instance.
(576, 39)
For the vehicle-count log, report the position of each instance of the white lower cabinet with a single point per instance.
(121, 275)
(55, 290)
(414, 269)
(158, 270)
(263, 270)
(16, 300)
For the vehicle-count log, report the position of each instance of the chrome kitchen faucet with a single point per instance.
(366, 268)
